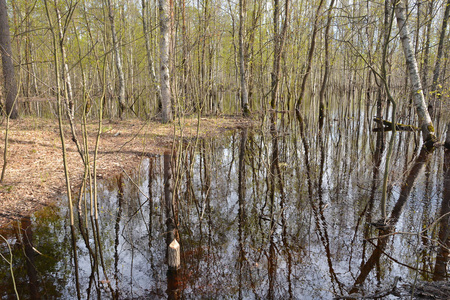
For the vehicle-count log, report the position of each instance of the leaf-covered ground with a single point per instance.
(34, 173)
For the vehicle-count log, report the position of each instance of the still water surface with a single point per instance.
(259, 215)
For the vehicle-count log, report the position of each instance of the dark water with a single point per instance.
(259, 215)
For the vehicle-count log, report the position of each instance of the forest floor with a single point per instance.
(35, 175)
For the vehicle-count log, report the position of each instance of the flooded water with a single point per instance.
(274, 212)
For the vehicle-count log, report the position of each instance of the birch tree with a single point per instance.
(164, 20)
(425, 122)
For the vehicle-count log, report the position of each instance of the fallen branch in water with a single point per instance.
(387, 126)
(390, 291)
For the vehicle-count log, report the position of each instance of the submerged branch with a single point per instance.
(387, 126)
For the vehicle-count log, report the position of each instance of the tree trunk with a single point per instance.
(310, 55)
(164, 69)
(327, 67)
(425, 122)
(279, 39)
(427, 49)
(443, 253)
(68, 94)
(185, 59)
(244, 90)
(118, 61)
(150, 64)
(440, 52)
(7, 63)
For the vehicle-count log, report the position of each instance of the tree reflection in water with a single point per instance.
(283, 211)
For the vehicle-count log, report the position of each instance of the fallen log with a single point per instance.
(387, 126)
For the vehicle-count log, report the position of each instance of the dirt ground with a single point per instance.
(34, 173)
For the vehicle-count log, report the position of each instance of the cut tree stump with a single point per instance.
(173, 255)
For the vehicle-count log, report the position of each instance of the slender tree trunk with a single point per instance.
(65, 68)
(63, 145)
(244, 89)
(172, 60)
(327, 67)
(164, 69)
(310, 55)
(427, 48)
(250, 50)
(279, 40)
(7, 63)
(437, 67)
(425, 122)
(118, 60)
(443, 254)
(185, 59)
(150, 63)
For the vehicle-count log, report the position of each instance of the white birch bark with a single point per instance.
(164, 61)
(425, 122)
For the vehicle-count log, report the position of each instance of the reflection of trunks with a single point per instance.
(389, 227)
(440, 270)
(27, 240)
(173, 248)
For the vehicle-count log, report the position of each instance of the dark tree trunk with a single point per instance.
(7, 62)
(310, 55)
(327, 67)
(242, 62)
(437, 67)
(150, 63)
(279, 41)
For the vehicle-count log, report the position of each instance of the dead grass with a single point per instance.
(35, 176)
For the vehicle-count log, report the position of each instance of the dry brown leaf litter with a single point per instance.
(35, 175)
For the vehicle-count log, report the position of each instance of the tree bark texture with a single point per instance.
(427, 48)
(327, 67)
(442, 257)
(118, 60)
(164, 20)
(279, 39)
(7, 63)
(425, 122)
(437, 66)
(310, 55)
(65, 69)
(150, 64)
(244, 89)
